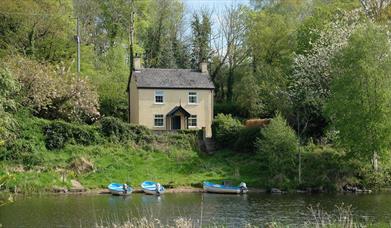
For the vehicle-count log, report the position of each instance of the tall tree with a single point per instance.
(201, 33)
(39, 29)
(163, 34)
(271, 43)
(359, 105)
(229, 49)
(309, 83)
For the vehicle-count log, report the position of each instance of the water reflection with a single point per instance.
(233, 210)
(150, 199)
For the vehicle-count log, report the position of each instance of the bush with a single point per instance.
(120, 131)
(28, 145)
(226, 130)
(229, 109)
(324, 166)
(115, 107)
(58, 133)
(246, 139)
(54, 93)
(277, 151)
(22, 151)
(8, 91)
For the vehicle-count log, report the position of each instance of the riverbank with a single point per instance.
(51, 154)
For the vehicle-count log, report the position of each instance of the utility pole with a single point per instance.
(131, 37)
(78, 46)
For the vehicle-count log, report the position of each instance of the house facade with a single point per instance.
(171, 99)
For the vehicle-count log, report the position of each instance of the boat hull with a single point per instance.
(119, 193)
(117, 189)
(149, 187)
(151, 192)
(216, 188)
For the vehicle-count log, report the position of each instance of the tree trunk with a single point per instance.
(230, 82)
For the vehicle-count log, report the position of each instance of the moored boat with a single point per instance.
(153, 188)
(219, 188)
(119, 189)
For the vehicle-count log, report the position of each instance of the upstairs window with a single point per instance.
(159, 97)
(192, 121)
(159, 120)
(193, 98)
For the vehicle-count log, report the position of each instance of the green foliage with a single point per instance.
(53, 92)
(248, 92)
(324, 166)
(119, 131)
(162, 37)
(228, 108)
(59, 133)
(271, 63)
(27, 146)
(39, 29)
(247, 138)
(8, 90)
(322, 13)
(359, 105)
(201, 28)
(277, 152)
(225, 130)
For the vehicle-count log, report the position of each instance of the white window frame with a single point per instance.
(192, 117)
(159, 93)
(155, 118)
(195, 94)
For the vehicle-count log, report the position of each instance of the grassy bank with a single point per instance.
(51, 153)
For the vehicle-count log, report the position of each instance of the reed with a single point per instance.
(342, 217)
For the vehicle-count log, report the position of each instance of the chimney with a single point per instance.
(204, 67)
(136, 63)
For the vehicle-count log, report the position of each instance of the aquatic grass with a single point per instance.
(317, 218)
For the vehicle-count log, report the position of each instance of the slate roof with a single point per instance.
(172, 79)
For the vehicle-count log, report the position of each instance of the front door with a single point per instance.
(176, 123)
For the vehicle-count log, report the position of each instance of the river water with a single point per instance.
(230, 210)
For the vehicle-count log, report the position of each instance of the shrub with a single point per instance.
(23, 151)
(277, 151)
(54, 93)
(323, 166)
(225, 130)
(246, 139)
(58, 133)
(115, 107)
(8, 89)
(120, 131)
(184, 140)
(228, 109)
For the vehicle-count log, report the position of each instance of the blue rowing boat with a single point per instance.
(153, 188)
(219, 188)
(118, 189)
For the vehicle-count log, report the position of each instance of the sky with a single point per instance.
(215, 5)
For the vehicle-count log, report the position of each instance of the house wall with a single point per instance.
(175, 97)
(133, 102)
